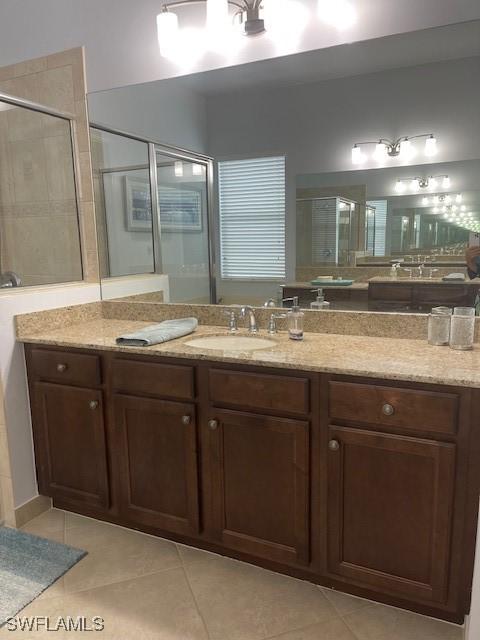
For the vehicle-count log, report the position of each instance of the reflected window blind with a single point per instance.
(252, 218)
(380, 225)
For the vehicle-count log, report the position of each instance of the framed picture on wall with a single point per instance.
(138, 204)
(180, 209)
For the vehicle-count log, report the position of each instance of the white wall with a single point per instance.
(121, 40)
(13, 375)
(169, 113)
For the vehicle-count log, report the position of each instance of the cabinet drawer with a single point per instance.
(63, 366)
(258, 391)
(428, 411)
(171, 381)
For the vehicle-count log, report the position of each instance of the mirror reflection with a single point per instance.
(251, 184)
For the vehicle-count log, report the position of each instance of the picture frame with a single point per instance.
(138, 205)
(181, 209)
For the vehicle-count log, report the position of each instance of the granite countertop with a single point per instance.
(391, 358)
(407, 280)
(312, 287)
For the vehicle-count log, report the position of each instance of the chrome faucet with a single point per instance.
(232, 319)
(252, 321)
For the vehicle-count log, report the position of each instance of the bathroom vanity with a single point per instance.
(363, 484)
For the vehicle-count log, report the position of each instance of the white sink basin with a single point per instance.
(231, 343)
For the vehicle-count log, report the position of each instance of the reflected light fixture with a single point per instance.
(401, 147)
(430, 182)
(197, 169)
(225, 18)
(178, 169)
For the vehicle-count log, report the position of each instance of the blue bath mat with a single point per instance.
(28, 565)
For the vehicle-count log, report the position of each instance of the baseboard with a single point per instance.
(31, 509)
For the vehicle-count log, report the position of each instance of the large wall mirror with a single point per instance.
(258, 196)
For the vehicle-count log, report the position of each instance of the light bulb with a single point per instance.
(430, 146)
(400, 186)
(415, 184)
(342, 205)
(433, 184)
(425, 201)
(197, 169)
(407, 150)
(458, 197)
(445, 215)
(446, 183)
(167, 32)
(436, 209)
(357, 155)
(463, 207)
(380, 153)
(341, 14)
(178, 168)
(454, 207)
(436, 199)
(217, 15)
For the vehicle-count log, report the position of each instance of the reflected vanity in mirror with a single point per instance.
(237, 185)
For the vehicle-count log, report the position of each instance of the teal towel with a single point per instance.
(158, 333)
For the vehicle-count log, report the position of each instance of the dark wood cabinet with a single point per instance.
(390, 502)
(157, 445)
(70, 444)
(260, 469)
(366, 486)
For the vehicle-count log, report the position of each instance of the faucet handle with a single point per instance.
(272, 324)
(232, 324)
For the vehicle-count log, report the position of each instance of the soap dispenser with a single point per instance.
(295, 320)
(320, 302)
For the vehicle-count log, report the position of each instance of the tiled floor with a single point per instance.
(149, 588)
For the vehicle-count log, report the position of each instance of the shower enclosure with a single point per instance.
(39, 226)
(152, 207)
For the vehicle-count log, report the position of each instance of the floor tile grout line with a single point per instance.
(196, 603)
(304, 627)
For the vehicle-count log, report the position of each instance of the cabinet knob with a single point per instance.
(93, 404)
(213, 425)
(186, 419)
(61, 367)
(334, 445)
(388, 409)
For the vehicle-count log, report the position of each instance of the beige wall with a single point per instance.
(56, 81)
(6, 494)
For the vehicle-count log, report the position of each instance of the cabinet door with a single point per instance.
(260, 484)
(159, 471)
(390, 512)
(69, 436)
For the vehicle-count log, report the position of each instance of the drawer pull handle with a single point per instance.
(388, 409)
(334, 445)
(213, 425)
(62, 367)
(186, 420)
(93, 404)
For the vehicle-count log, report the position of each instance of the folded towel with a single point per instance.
(158, 333)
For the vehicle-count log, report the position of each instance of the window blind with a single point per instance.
(252, 218)
(380, 225)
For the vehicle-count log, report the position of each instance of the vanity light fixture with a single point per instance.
(401, 147)
(442, 198)
(418, 182)
(253, 16)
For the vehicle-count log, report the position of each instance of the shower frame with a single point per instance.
(177, 153)
(70, 118)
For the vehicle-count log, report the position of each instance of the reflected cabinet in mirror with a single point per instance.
(355, 181)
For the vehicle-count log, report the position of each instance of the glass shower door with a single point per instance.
(183, 233)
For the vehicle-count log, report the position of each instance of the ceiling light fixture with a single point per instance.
(254, 17)
(401, 147)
